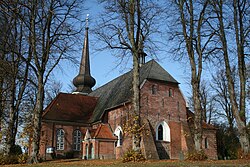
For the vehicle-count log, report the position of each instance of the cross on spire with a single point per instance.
(84, 81)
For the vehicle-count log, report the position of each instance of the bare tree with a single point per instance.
(221, 96)
(15, 83)
(190, 21)
(52, 33)
(52, 90)
(241, 29)
(127, 26)
(207, 100)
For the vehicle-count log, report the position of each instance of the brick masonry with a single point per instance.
(163, 104)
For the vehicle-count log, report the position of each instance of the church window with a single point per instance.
(160, 132)
(154, 89)
(118, 133)
(206, 143)
(163, 132)
(60, 139)
(171, 93)
(77, 140)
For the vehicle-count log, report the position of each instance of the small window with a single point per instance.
(171, 93)
(206, 143)
(154, 89)
(60, 139)
(178, 106)
(77, 140)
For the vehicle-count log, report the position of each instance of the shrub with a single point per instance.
(16, 150)
(196, 156)
(22, 159)
(132, 155)
(5, 160)
(13, 159)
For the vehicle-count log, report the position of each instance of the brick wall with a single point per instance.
(48, 140)
(209, 143)
(156, 108)
(98, 149)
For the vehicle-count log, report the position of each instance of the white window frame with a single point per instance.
(60, 134)
(166, 131)
(77, 135)
(118, 133)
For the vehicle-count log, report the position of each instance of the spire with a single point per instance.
(84, 81)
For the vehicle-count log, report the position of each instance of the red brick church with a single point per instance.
(89, 124)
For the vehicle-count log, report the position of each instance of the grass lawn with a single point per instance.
(117, 163)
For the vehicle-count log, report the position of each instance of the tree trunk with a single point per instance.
(136, 102)
(37, 115)
(240, 37)
(238, 112)
(195, 55)
(198, 117)
(10, 136)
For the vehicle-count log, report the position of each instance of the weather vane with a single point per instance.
(87, 21)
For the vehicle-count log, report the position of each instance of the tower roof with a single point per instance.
(84, 81)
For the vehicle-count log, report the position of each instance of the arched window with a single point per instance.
(118, 133)
(77, 135)
(206, 143)
(160, 132)
(171, 93)
(60, 139)
(154, 89)
(163, 132)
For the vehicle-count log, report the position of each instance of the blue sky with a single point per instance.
(103, 64)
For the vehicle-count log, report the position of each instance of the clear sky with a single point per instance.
(103, 64)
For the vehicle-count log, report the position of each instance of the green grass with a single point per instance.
(117, 163)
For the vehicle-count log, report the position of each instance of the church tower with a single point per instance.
(84, 81)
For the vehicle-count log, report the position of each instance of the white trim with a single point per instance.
(87, 135)
(118, 132)
(60, 138)
(166, 131)
(143, 82)
(184, 97)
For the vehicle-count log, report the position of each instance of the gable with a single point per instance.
(70, 108)
(119, 90)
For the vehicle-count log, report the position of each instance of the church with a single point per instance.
(90, 124)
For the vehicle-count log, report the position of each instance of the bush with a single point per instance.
(196, 156)
(134, 156)
(22, 159)
(5, 160)
(13, 159)
(16, 150)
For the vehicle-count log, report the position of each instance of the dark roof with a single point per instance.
(119, 90)
(71, 107)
